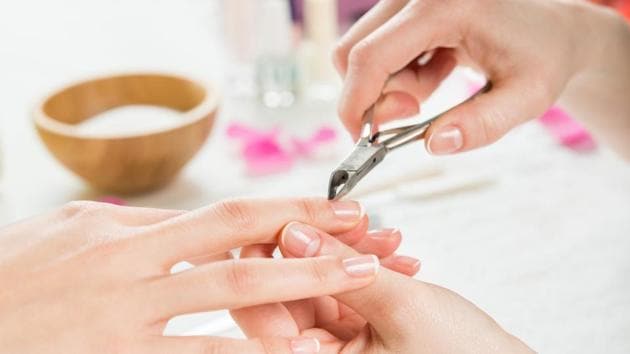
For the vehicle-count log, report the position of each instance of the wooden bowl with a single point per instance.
(127, 163)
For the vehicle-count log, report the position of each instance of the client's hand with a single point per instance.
(325, 311)
(93, 277)
(395, 314)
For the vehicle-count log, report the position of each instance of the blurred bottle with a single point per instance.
(321, 32)
(276, 68)
(239, 27)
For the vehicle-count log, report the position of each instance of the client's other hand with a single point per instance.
(394, 314)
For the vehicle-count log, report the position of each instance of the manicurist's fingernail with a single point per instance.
(305, 345)
(384, 233)
(347, 210)
(445, 140)
(301, 240)
(361, 266)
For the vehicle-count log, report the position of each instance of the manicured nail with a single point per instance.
(349, 211)
(362, 266)
(301, 240)
(383, 233)
(304, 345)
(409, 262)
(445, 140)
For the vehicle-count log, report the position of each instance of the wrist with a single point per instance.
(600, 35)
(597, 93)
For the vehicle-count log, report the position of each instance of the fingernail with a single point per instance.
(362, 266)
(445, 140)
(384, 233)
(304, 345)
(406, 261)
(301, 240)
(349, 211)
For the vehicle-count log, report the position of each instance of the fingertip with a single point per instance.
(445, 140)
(392, 234)
(407, 265)
(300, 240)
(355, 235)
(362, 266)
(382, 243)
(393, 237)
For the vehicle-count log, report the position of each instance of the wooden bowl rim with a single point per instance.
(199, 112)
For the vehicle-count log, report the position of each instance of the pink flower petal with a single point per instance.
(320, 137)
(567, 130)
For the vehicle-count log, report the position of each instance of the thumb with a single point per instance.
(487, 117)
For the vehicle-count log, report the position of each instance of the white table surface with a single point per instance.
(533, 233)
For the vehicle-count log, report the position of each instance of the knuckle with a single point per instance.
(317, 270)
(110, 245)
(493, 125)
(340, 56)
(212, 347)
(241, 278)
(361, 54)
(310, 208)
(264, 345)
(543, 93)
(236, 214)
(80, 208)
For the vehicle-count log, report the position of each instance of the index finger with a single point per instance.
(417, 28)
(373, 19)
(235, 223)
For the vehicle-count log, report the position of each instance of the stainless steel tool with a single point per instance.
(372, 147)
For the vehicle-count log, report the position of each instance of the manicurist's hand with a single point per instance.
(394, 314)
(533, 51)
(93, 277)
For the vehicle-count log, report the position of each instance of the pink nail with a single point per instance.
(362, 266)
(445, 140)
(409, 262)
(301, 240)
(304, 345)
(348, 211)
(384, 233)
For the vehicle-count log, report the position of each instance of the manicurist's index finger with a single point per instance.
(411, 32)
(373, 19)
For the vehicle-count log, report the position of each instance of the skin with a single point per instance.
(590, 48)
(93, 275)
(535, 52)
(394, 314)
